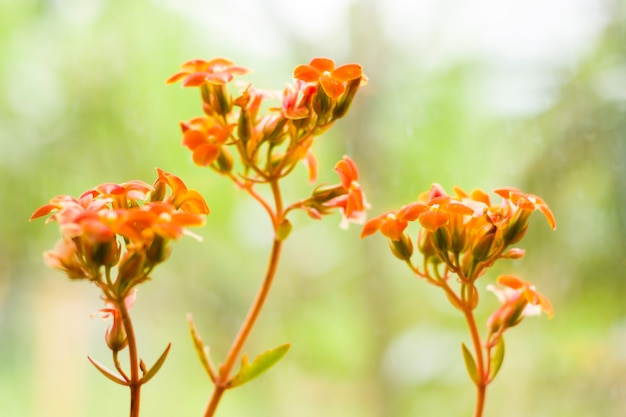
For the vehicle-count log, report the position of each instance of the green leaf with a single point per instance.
(470, 364)
(107, 372)
(261, 364)
(497, 358)
(157, 365)
(201, 350)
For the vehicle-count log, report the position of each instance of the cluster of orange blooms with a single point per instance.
(467, 233)
(270, 145)
(128, 225)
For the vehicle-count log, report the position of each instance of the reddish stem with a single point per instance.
(221, 384)
(135, 380)
(481, 385)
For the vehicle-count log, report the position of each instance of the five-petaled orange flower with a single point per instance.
(204, 139)
(392, 223)
(196, 72)
(330, 78)
(352, 203)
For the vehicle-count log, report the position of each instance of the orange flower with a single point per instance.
(65, 257)
(196, 72)
(127, 194)
(142, 224)
(352, 200)
(331, 79)
(292, 108)
(519, 299)
(204, 139)
(190, 201)
(527, 202)
(439, 210)
(392, 223)
(65, 208)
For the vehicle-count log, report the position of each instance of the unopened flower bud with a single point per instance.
(244, 126)
(441, 239)
(105, 253)
(322, 103)
(131, 266)
(222, 103)
(274, 131)
(206, 97)
(517, 227)
(424, 244)
(482, 249)
(158, 251)
(343, 105)
(402, 248)
(225, 160)
(159, 191)
(115, 335)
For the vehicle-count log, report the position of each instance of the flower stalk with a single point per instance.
(464, 235)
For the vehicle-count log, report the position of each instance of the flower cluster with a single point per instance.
(268, 145)
(464, 235)
(127, 225)
(466, 232)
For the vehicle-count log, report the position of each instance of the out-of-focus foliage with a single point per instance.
(453, 97)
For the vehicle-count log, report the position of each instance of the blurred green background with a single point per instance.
(478, 94)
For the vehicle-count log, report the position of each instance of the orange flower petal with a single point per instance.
(311, 163)
(412, 211)
(176, 77)
(433, 220)
(194, 80)
(393, 228)
(43, 210)
(331, 87)
(347, 72)
(546, 305)
(511, 281)
(306, 73)
(219, 78)
(193, 139)
(545, 210)
(205, 155)
(372, 226)
(347, 171)
(323, 64)
(458, 208)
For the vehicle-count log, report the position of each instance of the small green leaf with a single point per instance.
(261, 364)
(497, 358)
(201, 350)
(107, 372)
(157, 365)
(470, 364)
